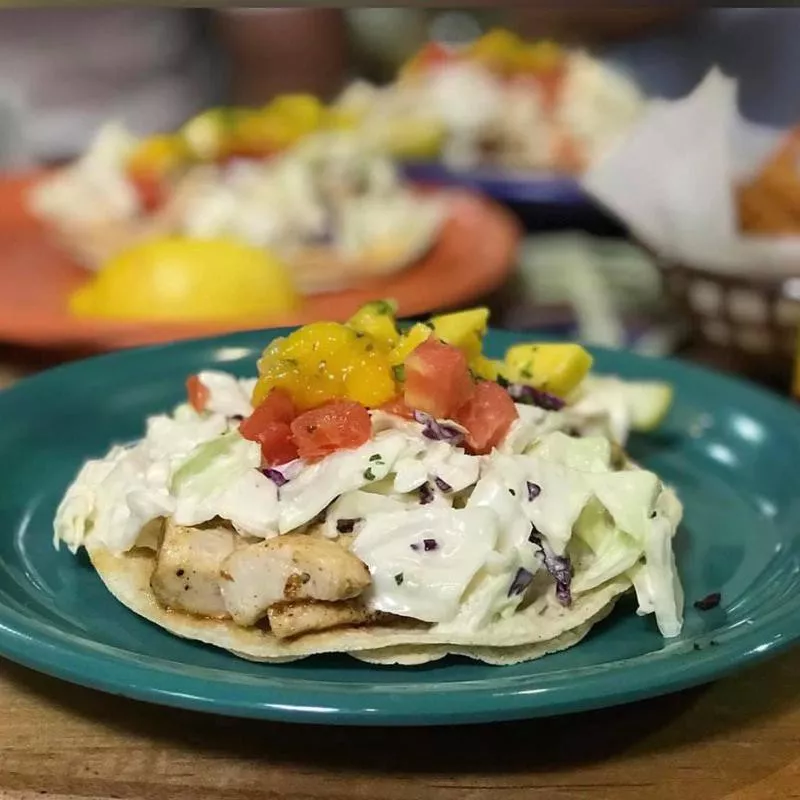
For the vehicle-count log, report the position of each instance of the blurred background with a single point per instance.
(324, 122)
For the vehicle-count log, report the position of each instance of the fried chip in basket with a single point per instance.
(770, 202)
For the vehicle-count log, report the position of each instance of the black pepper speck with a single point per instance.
(708, 602)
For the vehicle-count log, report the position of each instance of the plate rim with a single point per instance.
(47, 648)
(60, 331)
(505, 185)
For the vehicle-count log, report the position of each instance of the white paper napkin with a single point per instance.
(671, 180)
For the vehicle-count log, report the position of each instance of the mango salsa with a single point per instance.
(206, 136)
(538, 58)
(414, 138)
(157, 156)
(326, 361)
(303, 112)
(366, 359)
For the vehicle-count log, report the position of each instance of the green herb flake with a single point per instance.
(369, 475)
(399, 371)
(376, 457)
(387, 307)
(398, 579)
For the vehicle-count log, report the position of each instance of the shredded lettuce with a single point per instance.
(215, 462)
(589, 454)
(614, 551)
(220, 478)
(656, 581)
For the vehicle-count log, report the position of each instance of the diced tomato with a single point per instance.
(277, 406)
(487, 416)
(335, 426)
(437, 379)
(277, 444)
(548, 84)
(431, 56)
(198, 393)
(398, 407)
(269, 425)
(434, 54)
(150, 190)
(243, 152)
(568, 155)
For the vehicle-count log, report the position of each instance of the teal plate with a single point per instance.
(730, 449)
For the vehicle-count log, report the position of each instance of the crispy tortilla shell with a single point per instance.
(528, 634)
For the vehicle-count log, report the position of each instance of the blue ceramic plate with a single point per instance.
(518, 188)
(731, 450)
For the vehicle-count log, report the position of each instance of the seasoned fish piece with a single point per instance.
(187, 573)
(289, 567)
(304, 616)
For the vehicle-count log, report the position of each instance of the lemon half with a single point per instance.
(181, 279)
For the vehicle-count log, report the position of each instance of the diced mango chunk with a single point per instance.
(376, 319)
(326, 361)
(413, 138)
(553, 367)
(463, 329)
(303, 111)
(157, 156)
(409, 342)
(486, 368)
(207, 135)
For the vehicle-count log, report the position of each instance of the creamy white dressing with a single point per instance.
(94, 189)
(422, 560)
(452, 566)
(227, 395)
(453, 466)
(319, 484)
(249, 503)
(352, 508)
(330, 190)
(597, 105)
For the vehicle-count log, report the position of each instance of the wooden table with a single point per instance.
(738, 739)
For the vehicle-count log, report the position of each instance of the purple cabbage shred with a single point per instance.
(528, 396)
(522, 580)
(439, 432)
(559, 567)
(346, 525)
(275, 475)
(425, 494)
(428, 545)
(708, 602)
(534, 490)
(444, 486)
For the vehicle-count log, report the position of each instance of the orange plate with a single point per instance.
(474, 255)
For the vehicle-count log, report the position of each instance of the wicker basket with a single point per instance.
(752, 323)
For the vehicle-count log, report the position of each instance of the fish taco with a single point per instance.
(387, 492)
